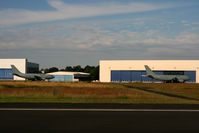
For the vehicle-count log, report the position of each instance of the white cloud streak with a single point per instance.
(89, 38)
(10, 17)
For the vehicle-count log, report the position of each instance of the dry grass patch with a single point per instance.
(183, 89)
(85, 92)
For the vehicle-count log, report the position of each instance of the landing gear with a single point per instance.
(173, 81)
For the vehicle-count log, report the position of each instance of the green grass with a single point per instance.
(93, 100)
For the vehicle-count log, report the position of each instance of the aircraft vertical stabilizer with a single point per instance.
(148, 71)
(15, 70)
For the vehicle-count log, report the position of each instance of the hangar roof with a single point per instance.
(68, 73)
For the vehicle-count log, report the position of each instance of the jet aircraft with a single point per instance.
(31, 76)
(166, 78)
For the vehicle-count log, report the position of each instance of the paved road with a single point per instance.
(96, 106)
(92, 121)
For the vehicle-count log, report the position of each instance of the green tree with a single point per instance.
(53, 69)
(94, 73)
(69, 69)
(44, 70)
(87, 69)
(77, 68)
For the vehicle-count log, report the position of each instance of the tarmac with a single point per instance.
(79, 118)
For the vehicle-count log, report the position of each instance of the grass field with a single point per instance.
(83, 92)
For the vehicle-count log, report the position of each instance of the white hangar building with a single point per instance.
(69, 76)
(133, 70)
(21, 64)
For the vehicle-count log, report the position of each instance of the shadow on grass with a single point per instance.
(161, 93)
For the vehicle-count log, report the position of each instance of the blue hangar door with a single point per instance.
(6, 74)
(192, 76)
(136, 76)
(127, 76)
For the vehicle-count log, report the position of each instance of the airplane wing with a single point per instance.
(179, 79)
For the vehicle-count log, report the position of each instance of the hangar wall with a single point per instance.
(69, 76)
(62, 76)
(107, 67)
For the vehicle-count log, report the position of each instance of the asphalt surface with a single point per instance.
(97, 106)
(98, 118)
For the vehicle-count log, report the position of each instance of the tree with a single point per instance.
(44, 70)
(87, 69)
(69, 69)
(53, 69)
(92, 70)
(94, 73)
(77, 68)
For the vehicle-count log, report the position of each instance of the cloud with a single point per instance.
(45, 42)
(195, 23)
(186, 24)
(171, 22)
(92, 37)
(195, 28)
(10, 17)
(183, 21)
(151, 32)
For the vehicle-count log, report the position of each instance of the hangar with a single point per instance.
(70, 76)
(134, 71)
(22, 64)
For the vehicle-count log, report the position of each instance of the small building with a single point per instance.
(21, 64)
(70, 76)
(134, 70)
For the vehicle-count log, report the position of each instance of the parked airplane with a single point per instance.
(30, 76)
(166, 78)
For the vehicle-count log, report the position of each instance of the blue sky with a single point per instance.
(80, 32)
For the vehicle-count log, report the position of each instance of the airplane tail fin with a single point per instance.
(15, 70)
(148, 71)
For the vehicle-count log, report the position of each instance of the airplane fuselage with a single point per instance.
(167, 78)
(172, 78)
(30, 76)
(35, 76)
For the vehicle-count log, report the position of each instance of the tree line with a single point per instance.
(92, 70)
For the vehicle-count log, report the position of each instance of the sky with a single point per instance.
(60, 33)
